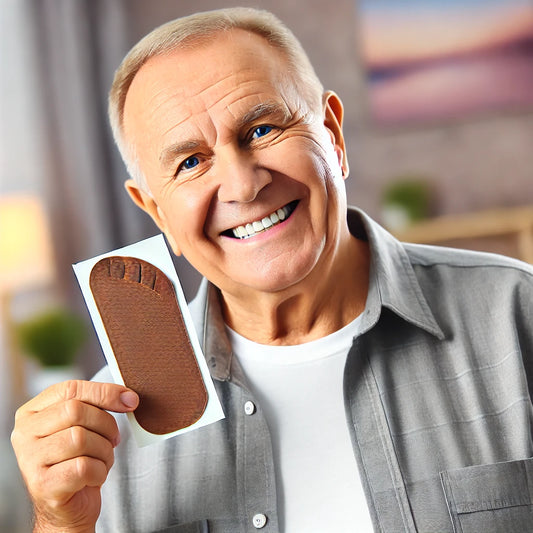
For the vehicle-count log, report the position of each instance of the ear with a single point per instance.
(148, 205)
(333, 116)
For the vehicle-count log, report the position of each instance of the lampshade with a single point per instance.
(25, 244)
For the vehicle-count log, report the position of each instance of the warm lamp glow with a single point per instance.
(25, 245)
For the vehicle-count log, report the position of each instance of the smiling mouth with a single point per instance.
(253, 228)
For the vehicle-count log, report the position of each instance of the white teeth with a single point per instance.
(250, 229)
(266, 222)
(241, 232)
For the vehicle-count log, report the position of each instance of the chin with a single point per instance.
(272, 281)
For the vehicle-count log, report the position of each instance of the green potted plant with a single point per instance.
(53, 339)
(405, 200)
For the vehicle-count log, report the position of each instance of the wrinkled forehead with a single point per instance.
(216, 82)
(207, 70)
(208, 63)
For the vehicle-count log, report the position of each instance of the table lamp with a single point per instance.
(26, 262)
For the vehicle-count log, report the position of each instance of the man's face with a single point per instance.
(230, 150)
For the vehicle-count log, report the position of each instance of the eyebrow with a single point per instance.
(265, 109)
(174, 151)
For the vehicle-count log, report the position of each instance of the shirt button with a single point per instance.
(249, 409)
(259, 521)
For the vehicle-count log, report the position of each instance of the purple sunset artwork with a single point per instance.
(435, 60)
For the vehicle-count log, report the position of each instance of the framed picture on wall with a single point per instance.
(434, 60)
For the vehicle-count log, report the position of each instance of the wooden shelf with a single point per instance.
(513, 223)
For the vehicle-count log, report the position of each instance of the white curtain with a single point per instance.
(57, 61)
(78, 44)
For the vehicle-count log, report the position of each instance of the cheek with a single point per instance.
(301, 158)
(328, 155)
(187, 210)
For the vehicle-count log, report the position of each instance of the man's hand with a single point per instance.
(64, 440)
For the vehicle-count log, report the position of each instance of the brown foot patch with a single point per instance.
(143, 321)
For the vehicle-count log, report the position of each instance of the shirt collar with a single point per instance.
(206, 313)
(393, 284)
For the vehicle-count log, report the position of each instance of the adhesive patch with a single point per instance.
(149, 338)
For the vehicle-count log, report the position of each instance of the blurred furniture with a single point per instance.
(510, 228)
(25, 263)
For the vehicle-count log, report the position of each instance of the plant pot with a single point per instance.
(44, 377)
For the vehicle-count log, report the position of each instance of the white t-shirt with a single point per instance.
(300, 389)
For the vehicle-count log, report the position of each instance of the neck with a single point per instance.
(327, 300)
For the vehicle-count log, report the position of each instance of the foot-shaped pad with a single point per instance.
(143, 321)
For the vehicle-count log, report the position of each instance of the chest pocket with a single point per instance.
(492, 498)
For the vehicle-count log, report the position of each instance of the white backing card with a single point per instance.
(154, 251)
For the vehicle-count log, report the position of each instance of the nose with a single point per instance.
(240, 175)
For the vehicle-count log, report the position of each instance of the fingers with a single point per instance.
(72, 404)
(59, 482)
(72, 410)
(108, 396)
(77, 473)
(64, 440)
(72, 413)
(66, 462)
(76, 442)
(80, 472)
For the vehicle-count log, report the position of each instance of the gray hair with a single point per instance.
(196, 29)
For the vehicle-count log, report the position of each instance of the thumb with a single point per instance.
(108, 396)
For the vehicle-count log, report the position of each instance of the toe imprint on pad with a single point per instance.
(145, 326)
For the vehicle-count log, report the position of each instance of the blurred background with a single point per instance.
(438, 98)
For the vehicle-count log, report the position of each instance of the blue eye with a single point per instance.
(190, 162)
(260, 131)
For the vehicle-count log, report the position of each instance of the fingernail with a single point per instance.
(116, 441)
(129, 399)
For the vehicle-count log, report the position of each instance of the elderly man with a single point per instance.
(367, 384)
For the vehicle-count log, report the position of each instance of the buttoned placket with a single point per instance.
(258, 495)
(378, 464)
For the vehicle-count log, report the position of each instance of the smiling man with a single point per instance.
(240, 173)
(367, 384)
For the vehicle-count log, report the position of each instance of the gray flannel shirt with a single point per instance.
(437, 397)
